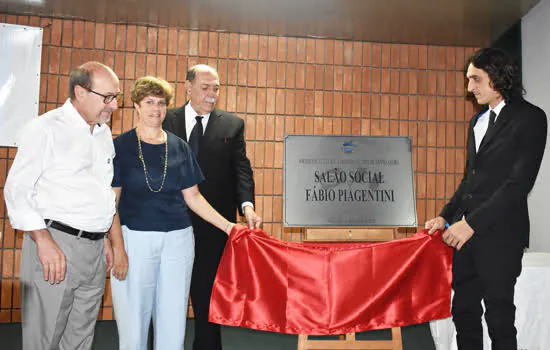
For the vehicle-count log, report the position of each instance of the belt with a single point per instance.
(93, 236)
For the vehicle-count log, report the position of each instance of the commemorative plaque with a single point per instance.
(348, 181)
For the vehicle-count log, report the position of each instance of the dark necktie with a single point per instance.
(492, 117)
(196, 135)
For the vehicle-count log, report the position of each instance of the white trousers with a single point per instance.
(157, 285)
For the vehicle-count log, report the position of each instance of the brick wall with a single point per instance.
(278, 85)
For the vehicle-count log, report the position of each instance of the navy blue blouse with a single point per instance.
(141, 209)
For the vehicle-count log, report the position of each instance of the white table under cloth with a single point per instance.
(532, 299)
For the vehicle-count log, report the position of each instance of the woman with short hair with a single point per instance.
(155, 181)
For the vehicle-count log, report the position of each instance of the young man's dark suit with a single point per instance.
(228, 183)
(492, 198)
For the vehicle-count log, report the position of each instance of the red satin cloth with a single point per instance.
(323, 289)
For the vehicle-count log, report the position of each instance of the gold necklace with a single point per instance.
(146, 173)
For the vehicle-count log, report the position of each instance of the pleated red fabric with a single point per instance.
(331, 288)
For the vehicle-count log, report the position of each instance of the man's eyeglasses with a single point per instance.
(106, 98)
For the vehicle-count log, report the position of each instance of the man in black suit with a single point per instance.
(217, 139)
(488, 213)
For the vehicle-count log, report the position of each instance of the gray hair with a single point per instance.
(192, 72)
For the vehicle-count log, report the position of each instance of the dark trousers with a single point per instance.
(486, 268)
(209, 246)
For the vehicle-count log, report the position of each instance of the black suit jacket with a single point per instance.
(493, 192)
(222, 158)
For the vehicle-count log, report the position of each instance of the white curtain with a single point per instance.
(532, 301)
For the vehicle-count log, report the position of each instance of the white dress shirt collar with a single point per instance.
(190, 120)
(72, 116)
(498, 108)
(482, 123)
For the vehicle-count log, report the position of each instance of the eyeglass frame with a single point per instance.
(110, 98)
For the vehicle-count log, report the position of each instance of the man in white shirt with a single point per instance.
(59, 192)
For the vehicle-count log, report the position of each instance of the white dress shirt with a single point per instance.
(482, 124)
(62, 172)
(190, 122)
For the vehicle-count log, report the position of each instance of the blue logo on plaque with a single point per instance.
(348, 147)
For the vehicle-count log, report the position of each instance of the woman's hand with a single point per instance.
(120, 265)
(238, 226)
